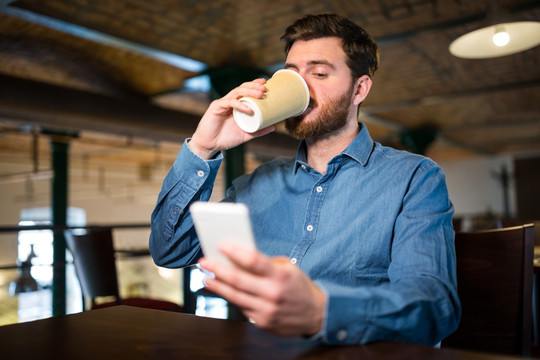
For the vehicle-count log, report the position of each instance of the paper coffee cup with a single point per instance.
(287, 95)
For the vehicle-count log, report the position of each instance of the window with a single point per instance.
(36, 246)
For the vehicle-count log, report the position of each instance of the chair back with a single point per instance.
(93, 255)
(495, 282)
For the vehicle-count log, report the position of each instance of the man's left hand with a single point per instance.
(275, 294)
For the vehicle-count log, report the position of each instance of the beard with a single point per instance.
(332, 117)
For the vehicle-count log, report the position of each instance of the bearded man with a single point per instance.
(355, 239)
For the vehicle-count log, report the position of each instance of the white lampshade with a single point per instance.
(480, 44)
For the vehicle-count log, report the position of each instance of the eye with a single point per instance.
(319, 75)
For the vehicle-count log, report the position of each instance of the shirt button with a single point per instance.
(319, 189)
(293, 261)
(200, 173)
(304, 167)
(341, 335)
(310, 228)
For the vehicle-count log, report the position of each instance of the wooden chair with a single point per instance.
(495, 283)
(95, 262)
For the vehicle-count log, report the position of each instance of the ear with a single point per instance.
(362, 87)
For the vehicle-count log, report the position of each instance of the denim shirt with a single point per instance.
(374, 233)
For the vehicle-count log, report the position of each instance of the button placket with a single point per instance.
(310, 222)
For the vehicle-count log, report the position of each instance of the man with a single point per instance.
(356, 241)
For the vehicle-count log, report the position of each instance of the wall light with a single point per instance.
(504, 37)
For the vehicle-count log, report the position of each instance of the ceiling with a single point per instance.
(137, 70)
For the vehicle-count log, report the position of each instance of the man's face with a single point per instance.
(321, 62)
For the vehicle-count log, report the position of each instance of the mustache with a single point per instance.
(312, 104)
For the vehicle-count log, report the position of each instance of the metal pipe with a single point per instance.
(59, 204)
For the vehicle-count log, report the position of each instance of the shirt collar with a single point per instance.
(359, 149)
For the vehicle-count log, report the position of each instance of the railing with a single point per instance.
(18, 228)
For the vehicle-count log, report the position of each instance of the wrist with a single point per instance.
(319, 313)
(201, 152)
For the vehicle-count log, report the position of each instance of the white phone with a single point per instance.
(216, 223)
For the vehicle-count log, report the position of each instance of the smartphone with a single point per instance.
(217, 223)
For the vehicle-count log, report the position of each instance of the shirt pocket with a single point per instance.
(371, 264)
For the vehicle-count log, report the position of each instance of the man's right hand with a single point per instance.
(217, 129)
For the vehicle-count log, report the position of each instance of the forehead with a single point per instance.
(328, 49)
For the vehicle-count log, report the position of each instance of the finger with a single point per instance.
(254, 88)
(263, 132)
(242, 280)
(260, 81)
(241, 106)
(224, 106)
(232, 275)
(250, 260)
(245, 300)
(257, 85)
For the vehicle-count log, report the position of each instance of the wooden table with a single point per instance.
(125, 332)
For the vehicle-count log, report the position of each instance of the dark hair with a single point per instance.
(362, 52)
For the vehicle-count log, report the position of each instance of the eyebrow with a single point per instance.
(311, 63)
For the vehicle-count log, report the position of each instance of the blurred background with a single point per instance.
(113, 88)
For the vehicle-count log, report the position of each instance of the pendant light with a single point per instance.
(504, 36)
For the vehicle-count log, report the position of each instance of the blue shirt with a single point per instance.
(374, 233)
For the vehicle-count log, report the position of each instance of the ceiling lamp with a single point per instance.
(504, 37)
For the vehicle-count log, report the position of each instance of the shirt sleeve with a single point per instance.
(173, 242)
(419, 303)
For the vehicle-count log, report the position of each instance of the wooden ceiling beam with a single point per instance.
(102, 38)
(452, 23)
(58, 108)
(444, 98)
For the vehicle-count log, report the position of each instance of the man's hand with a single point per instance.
(272, 292)
(217, 130)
